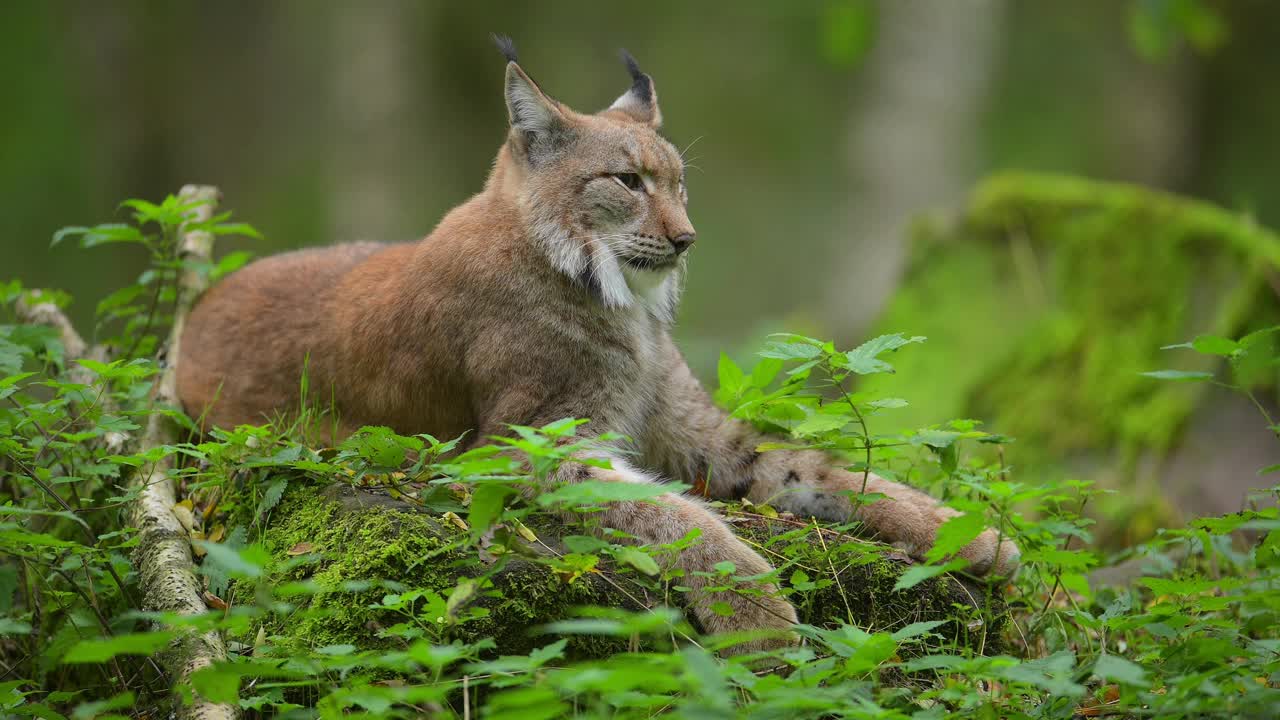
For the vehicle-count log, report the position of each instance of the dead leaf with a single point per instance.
(525, 532)
(260, 640)
(187, 518)
(218, 532)
(214, 601)
(458, 522)
(196, 548)
(211, 508)
(301, 548)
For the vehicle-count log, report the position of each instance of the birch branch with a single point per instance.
(163, 556)
(75, 348)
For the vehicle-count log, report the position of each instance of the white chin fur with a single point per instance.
(620, 286)
(647, 285)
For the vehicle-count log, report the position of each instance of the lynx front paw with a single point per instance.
(989, 554)
(919, 518)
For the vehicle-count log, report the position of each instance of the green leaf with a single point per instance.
(246, 562)
(219, 684)
(530, 703)
(793, 347)
(10, 357)
(144, 210)
(96, 708)
(916, 629)
(18, 538)
(12, 380)
(730, 375)
(583, 544)
(1117, 669)
(937, 439)
(1257, 336)
(103, 649)
(271, 497)
(954, 534)
(381, 446)
(864, 359)
(16, 510)
(800, 581)
(112, 233)
(229, 264)
(486, 505)
(1214, 345)
(599, 492)
(721, 608)
(919, 573)
(638, 559)
(342, 649)
(9, 626)
(819, 423)
(543, 655)
(763, 374)
(66, 232)
(244, 229)
(887, 403)
(1180, 375)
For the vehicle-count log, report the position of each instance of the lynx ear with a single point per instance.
(641, 100)
(537, 123)
(530, 111)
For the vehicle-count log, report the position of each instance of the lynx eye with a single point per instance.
(630, 181)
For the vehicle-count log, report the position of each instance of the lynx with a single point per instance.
(549, 294)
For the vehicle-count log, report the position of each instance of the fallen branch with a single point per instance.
(74, 348)
(163, 556)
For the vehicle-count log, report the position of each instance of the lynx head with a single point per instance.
(603, 194)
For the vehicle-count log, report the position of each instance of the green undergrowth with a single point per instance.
(410, 576)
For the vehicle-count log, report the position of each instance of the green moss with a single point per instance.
(364, 537)
(1048, 299)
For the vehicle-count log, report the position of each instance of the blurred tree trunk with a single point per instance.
(920, 132)
(377, 120)
(911, 138)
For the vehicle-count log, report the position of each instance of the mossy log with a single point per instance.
(358, 535)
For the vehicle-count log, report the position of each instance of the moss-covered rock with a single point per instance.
(1076, 286)
(356, 536)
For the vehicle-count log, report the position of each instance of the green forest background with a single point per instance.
(822, 132)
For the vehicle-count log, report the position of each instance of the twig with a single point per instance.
(163, 557)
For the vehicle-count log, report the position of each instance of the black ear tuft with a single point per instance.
(506, 46)
(641, 85)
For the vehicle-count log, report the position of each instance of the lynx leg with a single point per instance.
(669, 519)
(806, 484)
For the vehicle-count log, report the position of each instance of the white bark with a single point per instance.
(163, 556)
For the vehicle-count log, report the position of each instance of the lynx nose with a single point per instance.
(680, 243)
